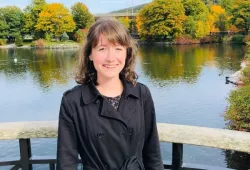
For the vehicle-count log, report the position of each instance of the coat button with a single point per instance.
(100, 135)
(106, 166)
(122, 133)
(130, 131)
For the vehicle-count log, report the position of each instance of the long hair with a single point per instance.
(116, 33)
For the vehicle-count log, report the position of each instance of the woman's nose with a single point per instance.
(110, 55)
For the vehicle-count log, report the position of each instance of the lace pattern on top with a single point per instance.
(114, 101)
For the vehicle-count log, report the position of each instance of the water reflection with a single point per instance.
(185, 63)
(237, 160)
(47, 67)
(189, 89)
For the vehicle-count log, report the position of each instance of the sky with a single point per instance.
(95, 6)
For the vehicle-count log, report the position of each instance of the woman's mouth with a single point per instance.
(109, 66)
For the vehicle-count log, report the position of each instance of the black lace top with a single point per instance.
(114, 101)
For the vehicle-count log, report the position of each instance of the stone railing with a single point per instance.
(172, 133)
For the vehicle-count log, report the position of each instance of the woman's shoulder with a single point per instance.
(73, 93)
(143, 88)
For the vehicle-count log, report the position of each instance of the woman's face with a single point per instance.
(108, 59)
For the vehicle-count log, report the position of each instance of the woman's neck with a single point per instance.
(111, 87)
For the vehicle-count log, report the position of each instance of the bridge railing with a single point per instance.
(124, 14)
(172, 133)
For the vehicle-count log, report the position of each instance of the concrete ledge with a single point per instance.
(173, 133)
(210, 137)
(23, 130)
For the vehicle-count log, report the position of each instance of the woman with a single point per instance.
(109, 119)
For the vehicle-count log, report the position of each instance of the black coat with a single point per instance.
(106, 138)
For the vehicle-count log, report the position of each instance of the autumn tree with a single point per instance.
(161, 18)
(197, 17)
(81, 15)
(220, 18)
(241, 14)
(55, 19)
(31, 14)
(11, 20)
(125, 21)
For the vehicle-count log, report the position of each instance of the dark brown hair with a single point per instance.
(115, 33)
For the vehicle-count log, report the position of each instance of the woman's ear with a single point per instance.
(90, 58)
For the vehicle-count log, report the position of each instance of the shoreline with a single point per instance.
(57, 46)
(237, 77)
(66, 46)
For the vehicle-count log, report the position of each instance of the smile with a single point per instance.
(110, 66)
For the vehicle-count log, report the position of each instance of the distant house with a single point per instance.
(28, 37)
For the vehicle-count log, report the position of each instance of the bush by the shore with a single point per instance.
(19, 40)
(3, 41)
(238, 113)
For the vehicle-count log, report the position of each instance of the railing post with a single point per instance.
(25, 154)
(177, 156)
(52, 166)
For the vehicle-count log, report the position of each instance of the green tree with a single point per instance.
(56, 19)
(190, 26)
(4, 27)
(241, 14)
(31, 14)
(227, 5)
(12, 20)
(81, 15)
(195, 8)
(161, 19)
(197, 18)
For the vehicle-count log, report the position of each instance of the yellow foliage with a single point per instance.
(219, 15)
(217, 9)
(55, 18)
(125, 21)
(201, 30)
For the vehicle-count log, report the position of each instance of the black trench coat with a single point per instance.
(106, 138)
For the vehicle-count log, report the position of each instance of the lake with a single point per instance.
(187, 84)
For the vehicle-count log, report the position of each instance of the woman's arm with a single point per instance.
(67, 153)
(151, 152)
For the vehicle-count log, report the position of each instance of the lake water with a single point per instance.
(187, 84)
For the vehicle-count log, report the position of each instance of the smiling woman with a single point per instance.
(109, 119)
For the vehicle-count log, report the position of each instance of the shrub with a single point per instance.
(227, 39)
(64, 37)
(246, 39)
(185, 39)
(48, 36)
(80, 35)
(206, 40)
(3, 41)
(40, 43)
(238, 39)
(19, 40)
(238, 112)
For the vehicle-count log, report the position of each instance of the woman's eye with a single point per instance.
(101, 49)
(119, 49)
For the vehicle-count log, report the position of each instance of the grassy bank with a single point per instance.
(238, 113)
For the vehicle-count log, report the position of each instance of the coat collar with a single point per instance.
(90, 93)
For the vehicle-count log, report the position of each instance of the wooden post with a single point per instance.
(177, 156)
(25, 154)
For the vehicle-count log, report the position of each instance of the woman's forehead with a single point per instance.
(104, 40)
